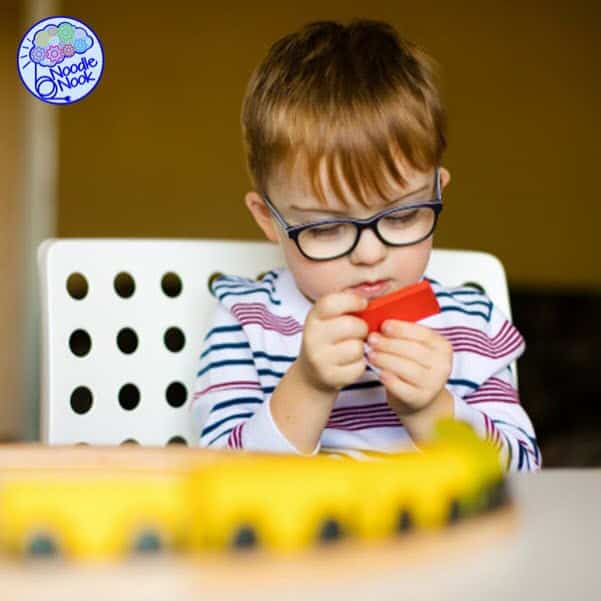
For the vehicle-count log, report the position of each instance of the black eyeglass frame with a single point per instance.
(294, 231)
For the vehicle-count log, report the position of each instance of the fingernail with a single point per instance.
(373, 339)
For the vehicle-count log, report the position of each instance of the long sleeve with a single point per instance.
(229, 406)
(495, 412)
(485, 347)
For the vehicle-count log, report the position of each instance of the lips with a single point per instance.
(371, 289)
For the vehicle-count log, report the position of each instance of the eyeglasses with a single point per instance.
(334, 238)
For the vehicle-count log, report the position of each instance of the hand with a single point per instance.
(415, 363)
(332, 353)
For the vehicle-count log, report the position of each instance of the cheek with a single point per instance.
(314, 278)
(409, 263)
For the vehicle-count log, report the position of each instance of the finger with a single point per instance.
(349, 351)
(416, 351)
(352, 372)
(406, 369)
(339, 303)
(400, 389)
(407, 329)
(345, 327)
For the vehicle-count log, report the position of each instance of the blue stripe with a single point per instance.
(222, 363)
(229, 286)
(532, 439)
(460, 290)
(270, 372)
(358, 385)
(521, 456)
(510, 450)
(248, 292)
(262, 355)
(219, 347)
(219, 436)
(526, 434)
(467, 383)
(238, 401)
(450, 295)
(459, 310)
(222, 421)
(271, 282)
(220, 329)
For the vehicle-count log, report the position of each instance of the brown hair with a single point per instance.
(358, 96)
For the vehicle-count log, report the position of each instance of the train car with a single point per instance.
(241, 500)
(91, 515)
(289, 503)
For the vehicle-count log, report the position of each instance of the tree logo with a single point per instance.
(60, 60)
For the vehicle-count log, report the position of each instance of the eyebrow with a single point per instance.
(334, 212)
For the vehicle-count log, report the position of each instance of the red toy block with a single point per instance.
(412, 303)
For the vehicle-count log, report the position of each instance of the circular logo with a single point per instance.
(60, 60)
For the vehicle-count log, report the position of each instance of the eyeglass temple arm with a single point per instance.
(285, 226)
(275, 212)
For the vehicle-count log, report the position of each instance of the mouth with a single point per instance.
(371, 289)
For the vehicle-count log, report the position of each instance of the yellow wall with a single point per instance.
(156, 149)
(11, 244)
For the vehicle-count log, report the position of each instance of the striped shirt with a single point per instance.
(256, 333)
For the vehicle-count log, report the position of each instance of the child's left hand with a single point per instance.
(415, 363)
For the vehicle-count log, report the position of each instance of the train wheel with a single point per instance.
(148, 542)
(497, 495)
(42, 544)
(245, 537)
(404, 522)
(455, 513)
(330, 531)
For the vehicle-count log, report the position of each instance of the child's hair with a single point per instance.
(358, 96)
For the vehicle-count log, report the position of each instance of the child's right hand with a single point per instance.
(332, 353)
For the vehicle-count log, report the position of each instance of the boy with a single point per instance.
(344, 131)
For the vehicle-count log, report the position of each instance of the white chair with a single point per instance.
(123, 321)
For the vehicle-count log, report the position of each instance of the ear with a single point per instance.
(445, 177)
(262, 215)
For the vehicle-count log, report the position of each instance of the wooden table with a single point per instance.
(548, 546)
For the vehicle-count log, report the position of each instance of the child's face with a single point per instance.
(371, 260)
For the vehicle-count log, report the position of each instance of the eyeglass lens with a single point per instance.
(403, 227)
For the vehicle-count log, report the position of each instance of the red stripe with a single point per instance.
(509, 400)
(492, 353)
(494, 390)
(339, 411)
(234, 385)
(507, 330)
(366, 425)
(256, 313)
(234, 440)
(362, 416)
(486, 420)
(266, 326)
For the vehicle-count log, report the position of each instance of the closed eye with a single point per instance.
(401, 217)
(323, 231)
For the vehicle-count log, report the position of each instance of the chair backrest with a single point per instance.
(123, 322)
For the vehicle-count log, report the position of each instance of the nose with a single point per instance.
(369, 250)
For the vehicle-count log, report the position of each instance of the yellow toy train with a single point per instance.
(225, 500)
